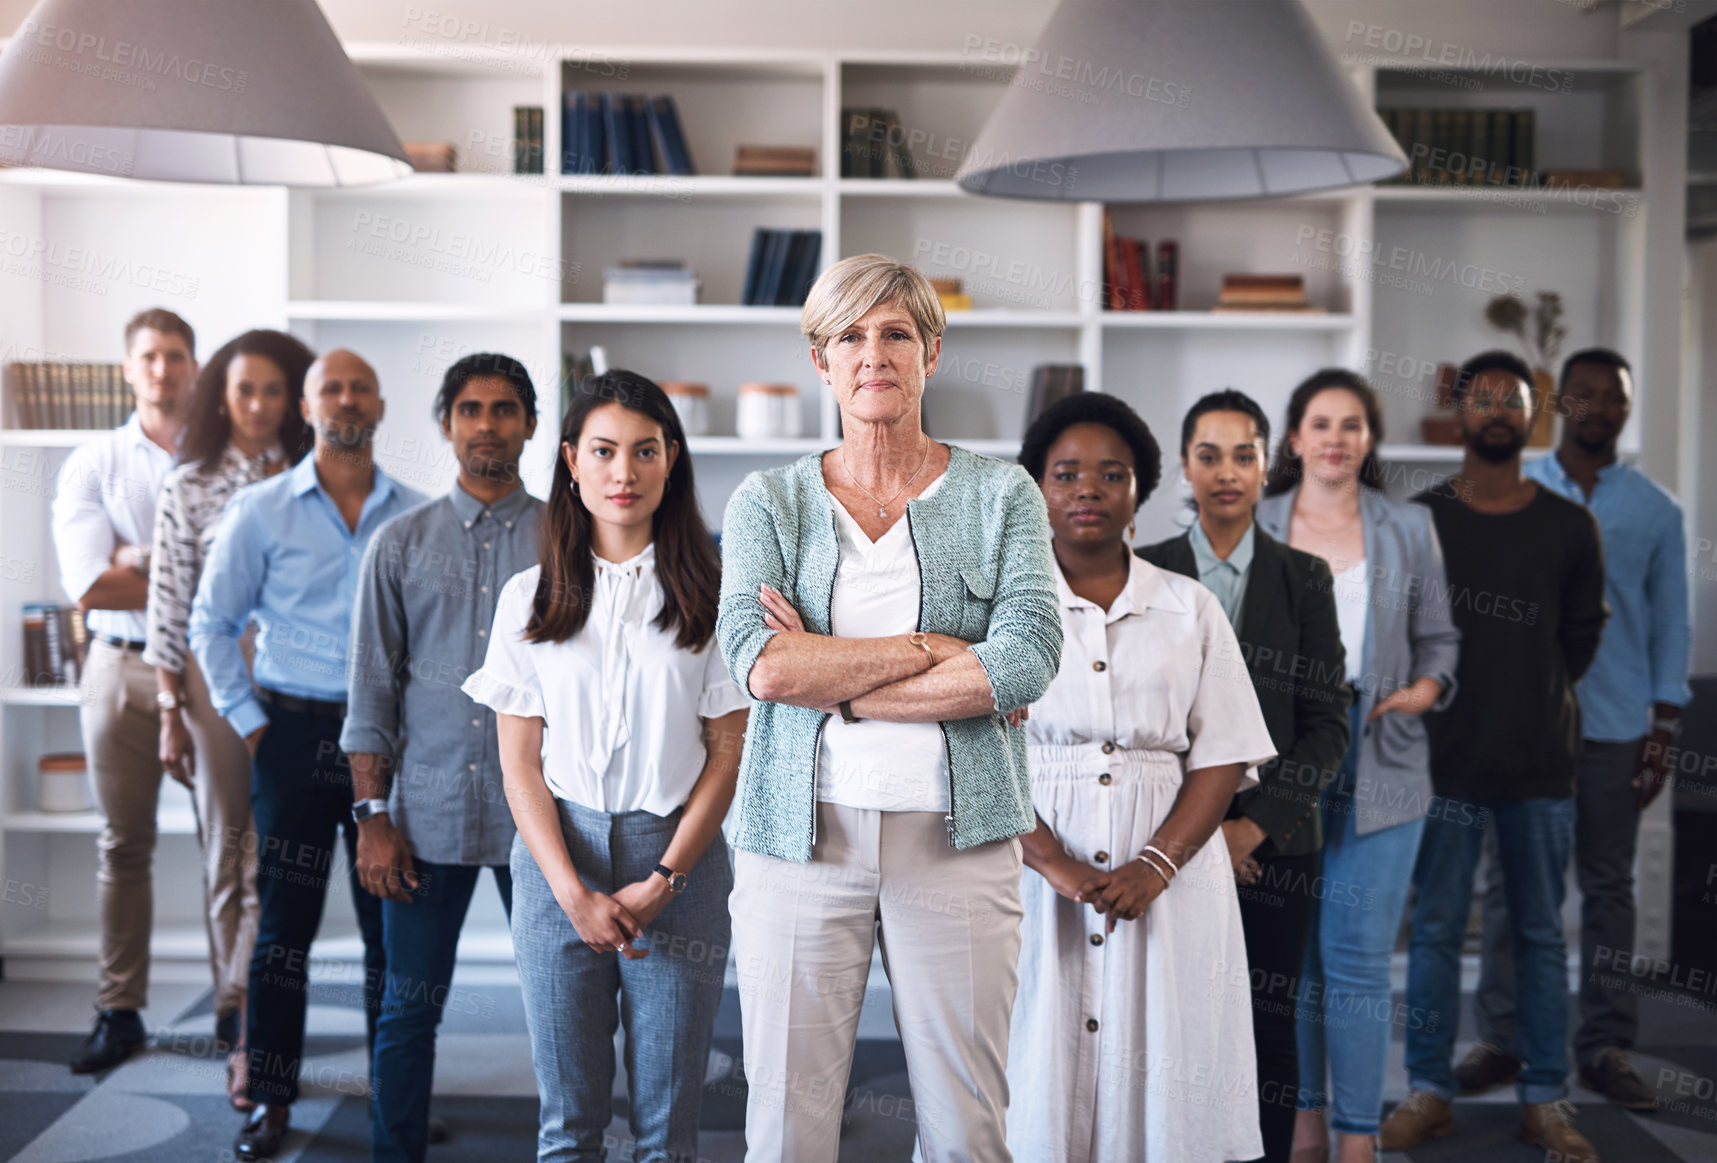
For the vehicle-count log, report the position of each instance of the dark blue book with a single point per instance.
(643, 155)
(790, 268)
(571, 132)
(619, 140)
(774, 268)
(754, 267)
(670, 140)
(594, 140)
(804, 271)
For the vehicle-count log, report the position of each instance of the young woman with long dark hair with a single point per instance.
(244, 425)
(620, 736)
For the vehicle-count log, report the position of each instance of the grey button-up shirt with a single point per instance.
(426, 599)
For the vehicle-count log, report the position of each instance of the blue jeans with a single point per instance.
(421, 939)
(1346, 1012)
(1532, 842)
(575, 997)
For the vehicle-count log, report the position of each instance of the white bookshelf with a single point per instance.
(417, 273)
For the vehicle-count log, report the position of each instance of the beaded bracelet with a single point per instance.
(1154, 867)
(1165, 857)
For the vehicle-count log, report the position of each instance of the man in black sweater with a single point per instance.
(1526, 579)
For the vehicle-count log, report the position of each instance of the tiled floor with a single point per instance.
(167, 1105)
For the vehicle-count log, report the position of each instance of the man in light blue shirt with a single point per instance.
(1630, 707)
(287, 555)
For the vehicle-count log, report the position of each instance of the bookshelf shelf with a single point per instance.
(698, 313)
(1003, 317)
(1505, 198)
(740, 446)
(1225, 321)
(686, 187)
(900, 188)
(409, 312)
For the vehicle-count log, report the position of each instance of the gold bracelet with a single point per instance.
(920, 638)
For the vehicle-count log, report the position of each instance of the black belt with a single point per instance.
(119, 643)
(300, 706)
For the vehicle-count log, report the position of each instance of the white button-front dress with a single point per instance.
(1136, 1045)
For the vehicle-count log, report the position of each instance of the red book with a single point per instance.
(1168, 257)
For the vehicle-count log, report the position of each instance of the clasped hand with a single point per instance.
(1121, 894)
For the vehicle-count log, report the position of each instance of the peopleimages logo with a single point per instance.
(123, 54)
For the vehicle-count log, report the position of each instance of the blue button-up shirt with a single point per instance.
(1226, 578)
(426, 602)
(284, 556)
(1643, 657)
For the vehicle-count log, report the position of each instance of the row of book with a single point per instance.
(870, 140)
(774, 161)
(622, 133)
(782, 267)
(1464, 147)
(527, 139)
(69, 395)
(1264, 293)
(1130, 280)
(650, 282)
(56, 643)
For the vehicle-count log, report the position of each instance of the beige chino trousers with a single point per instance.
(948, 923)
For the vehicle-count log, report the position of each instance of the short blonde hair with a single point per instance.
(854, 286)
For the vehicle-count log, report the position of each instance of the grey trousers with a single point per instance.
(575, 998)
(1606, 832)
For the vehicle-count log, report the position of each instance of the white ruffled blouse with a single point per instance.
(621, 702)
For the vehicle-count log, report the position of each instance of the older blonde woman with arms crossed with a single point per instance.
(891, 606)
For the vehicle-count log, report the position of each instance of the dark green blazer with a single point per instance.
(1292, 644)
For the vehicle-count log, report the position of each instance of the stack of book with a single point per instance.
(55, 644)
(1129, 281)
(952, 294)
(1464, 147)
(782, 267)
(622, 133)
(870, 139)
(432, 157)
(774, 161)
(68, 395)
(1051, 383)
(527, 139)
(650, 282)
(1283, 293)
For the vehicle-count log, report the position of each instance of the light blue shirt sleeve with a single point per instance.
(1671, 640)
(227, 594)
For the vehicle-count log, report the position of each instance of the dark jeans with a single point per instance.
(1606, 831)
(1276, 913)
(422, 939)
(1532, 840)
(300, 793)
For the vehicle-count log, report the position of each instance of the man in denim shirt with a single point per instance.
(1630, 706)
(426, 600)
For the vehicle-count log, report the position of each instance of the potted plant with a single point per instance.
(1539, 331)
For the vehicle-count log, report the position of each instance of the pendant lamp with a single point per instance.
(1175, 100)
(246, 92)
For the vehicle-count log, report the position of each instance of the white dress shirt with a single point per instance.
(889, 767)
(106, 497)
(621, 703)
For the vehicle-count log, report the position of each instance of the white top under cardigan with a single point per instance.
(1352, 603)
(621, 702)
(889, 767)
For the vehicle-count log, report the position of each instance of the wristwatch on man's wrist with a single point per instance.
(364, 809)
(167, 701)
(676, 880)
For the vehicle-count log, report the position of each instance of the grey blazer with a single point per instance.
(1409, 633)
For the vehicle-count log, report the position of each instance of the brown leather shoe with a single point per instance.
(1613, 1076)
(1421, 1115)
(1551, 1125)
(1486, 1066)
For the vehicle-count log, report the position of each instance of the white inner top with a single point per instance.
(621, 703)
(890, 767)
(1352, 599)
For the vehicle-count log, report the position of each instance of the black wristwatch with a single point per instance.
(676, 880)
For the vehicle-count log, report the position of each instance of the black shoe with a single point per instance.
(228, 1030)
(117, 1036)
(437, 1129)
(263, 1132)
(1612, 1075)
(1486, 1067)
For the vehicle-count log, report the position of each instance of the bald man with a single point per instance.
(287, 555)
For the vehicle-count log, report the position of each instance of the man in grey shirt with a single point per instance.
(426, 599)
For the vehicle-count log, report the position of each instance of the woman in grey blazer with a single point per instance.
(1325, 496)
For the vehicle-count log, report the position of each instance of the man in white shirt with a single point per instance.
(104, 525)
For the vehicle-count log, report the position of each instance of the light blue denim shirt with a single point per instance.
(1643, 657)
(982, 542)
(1226, 578)
(284, 556)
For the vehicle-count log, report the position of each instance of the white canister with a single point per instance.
(691, 401)
(62, 783)
(768, 411)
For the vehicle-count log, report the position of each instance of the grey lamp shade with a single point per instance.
(253, 92)
(1176, 100)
